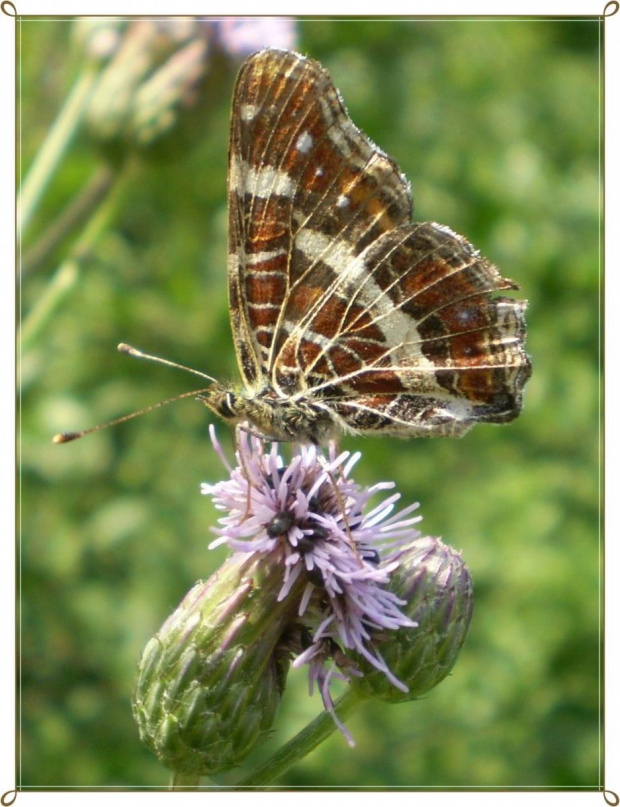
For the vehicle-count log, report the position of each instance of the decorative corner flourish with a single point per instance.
(8, 8)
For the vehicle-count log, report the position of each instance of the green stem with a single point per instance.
(184, 781)
(303, 743)
(52, 150)
(74, 214)
(56, 290)
(67, 273)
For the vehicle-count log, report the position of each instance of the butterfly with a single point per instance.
(348, 317)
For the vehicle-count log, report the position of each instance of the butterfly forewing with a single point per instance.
(308, 189)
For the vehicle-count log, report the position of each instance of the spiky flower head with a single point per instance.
(350, 590)
(436, 585)
(152, 77)
(312, 521)
(209, 683)
(152, 88)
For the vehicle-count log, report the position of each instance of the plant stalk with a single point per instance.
(51, 152)
(67, 273)
(74, 214)
(184, 781)
(303, 743)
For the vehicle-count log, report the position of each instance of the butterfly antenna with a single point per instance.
(138, 354)
(66, 437)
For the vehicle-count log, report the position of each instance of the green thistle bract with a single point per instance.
(209, 683)
(435, 583)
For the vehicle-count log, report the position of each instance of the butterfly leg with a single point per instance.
(341, 505)
(266, 438)
(246, 470)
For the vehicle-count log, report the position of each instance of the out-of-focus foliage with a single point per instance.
(496, 124)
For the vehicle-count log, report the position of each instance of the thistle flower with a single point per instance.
(152, 76)
(98, 37)
(155, 71)
(435, 583)
(307, 518)
(240, 37)
(353, 592)
(209, 683)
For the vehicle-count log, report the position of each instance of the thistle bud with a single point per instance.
(97, 37)
(170, 89)
(210, 682)
(150, 81)
(435, 583)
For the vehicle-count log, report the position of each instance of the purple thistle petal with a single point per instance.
(329, 705)
(315, 514)
(239, 36)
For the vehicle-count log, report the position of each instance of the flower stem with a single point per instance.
(67, 273)
(56, 290)
(76, 212)
(52, 150)
(303, 743)
(184, 781)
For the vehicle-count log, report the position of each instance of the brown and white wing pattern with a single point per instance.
(336, 296)
(295, 162)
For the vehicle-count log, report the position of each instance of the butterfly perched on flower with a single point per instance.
(346, 316)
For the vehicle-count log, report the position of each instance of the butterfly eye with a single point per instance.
(226, 406)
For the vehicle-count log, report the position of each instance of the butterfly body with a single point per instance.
(273, 417)
(347, 316)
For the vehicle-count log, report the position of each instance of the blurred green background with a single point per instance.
(496, 124)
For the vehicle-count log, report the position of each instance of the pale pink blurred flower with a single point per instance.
(240, 36)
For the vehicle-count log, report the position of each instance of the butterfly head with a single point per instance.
(271, 416)
(228, 404)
